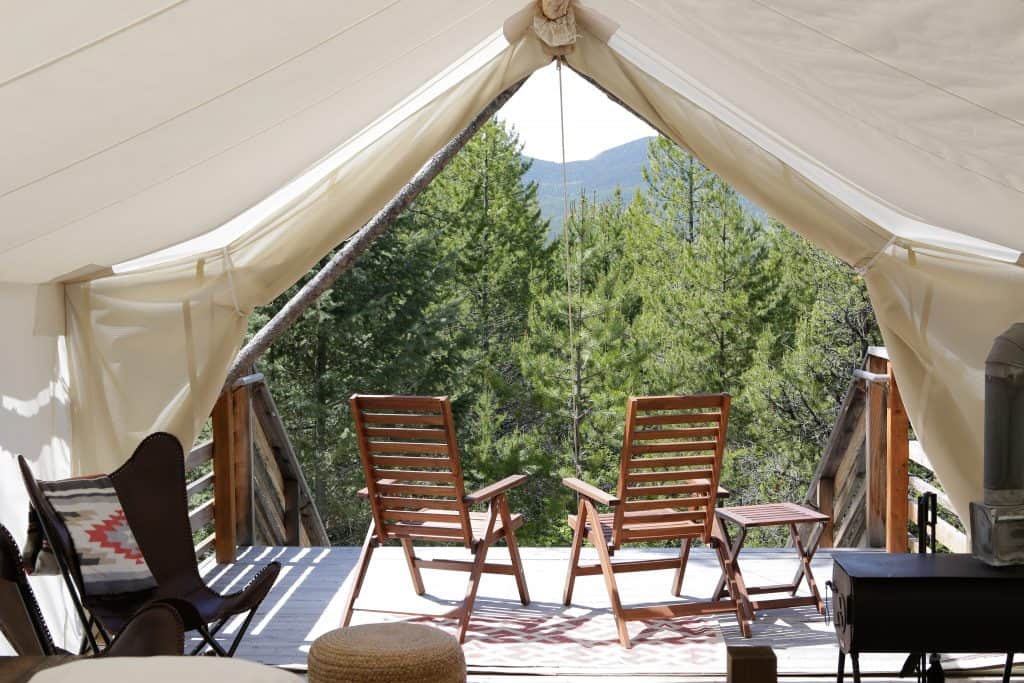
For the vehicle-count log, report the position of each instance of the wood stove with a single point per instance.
(917, 603)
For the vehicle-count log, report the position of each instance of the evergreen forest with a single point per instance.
(679, 288)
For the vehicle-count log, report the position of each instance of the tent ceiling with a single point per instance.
(131, 126)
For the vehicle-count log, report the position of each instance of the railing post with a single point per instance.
(292, 513)
(223, 480)
(875, 452)
(241, 456)
(897, 475)
(826, 506)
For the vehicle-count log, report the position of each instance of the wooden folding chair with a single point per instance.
(414, 484)
(668, 484)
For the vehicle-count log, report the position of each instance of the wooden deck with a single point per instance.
(508, 641)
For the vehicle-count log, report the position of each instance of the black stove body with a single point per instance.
(916, 603)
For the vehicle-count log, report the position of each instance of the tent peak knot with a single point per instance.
(555, 25)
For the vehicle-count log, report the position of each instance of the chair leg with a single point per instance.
(684, 555)
(597, 539)
(1008, 669)
(241, 631)
(574, 554)
(209, 639)
(414, 571)
(357, 583)
(513, 549)
(476, 572)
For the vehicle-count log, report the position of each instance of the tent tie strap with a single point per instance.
(229, 268)
(865, 266)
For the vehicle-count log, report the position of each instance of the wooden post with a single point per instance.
(826, 505)
(223, 480)
(292, 513)
(751, 664)
(897, 477)
(874, 452)
(241, 458)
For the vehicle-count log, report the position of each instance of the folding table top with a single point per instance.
(770, 514)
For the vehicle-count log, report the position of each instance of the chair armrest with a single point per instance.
(364, 492)
(723, 492)
(488, 492)
(592, 492)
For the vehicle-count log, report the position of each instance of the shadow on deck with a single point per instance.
(544, 638)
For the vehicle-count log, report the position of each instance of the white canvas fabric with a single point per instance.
(890, 134)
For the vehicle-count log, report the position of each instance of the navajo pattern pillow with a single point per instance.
(109, 556)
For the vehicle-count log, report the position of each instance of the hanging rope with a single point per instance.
(566, 216)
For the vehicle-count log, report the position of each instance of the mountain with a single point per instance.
(619, 167)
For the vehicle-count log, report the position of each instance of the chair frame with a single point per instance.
(134, 640)
(178, 578)
(703, 484)
(406, 519)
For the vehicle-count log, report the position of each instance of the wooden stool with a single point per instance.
(773, 514)
(751, 664)
(386, 652)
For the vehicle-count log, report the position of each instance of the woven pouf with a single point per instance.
(386, 652)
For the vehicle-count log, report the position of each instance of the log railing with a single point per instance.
(246, 481)
(866, 480)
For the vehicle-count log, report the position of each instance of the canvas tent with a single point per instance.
(242, 142)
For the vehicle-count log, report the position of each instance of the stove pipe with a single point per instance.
(997, 524)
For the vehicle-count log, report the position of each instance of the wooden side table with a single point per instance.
(746, 517)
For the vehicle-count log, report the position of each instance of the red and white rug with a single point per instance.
(581, 641)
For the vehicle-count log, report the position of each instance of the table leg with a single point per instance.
(855, 658)
(812, 544)
(733, 547)
(806, 555)
(720, 587)
(1008, 669)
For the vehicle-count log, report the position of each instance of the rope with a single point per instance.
(568, 258)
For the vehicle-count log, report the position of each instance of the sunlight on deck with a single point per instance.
(544, 638)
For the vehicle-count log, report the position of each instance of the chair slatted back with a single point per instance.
(411, 462)
(671, 459)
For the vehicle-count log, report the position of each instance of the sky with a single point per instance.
(593, 123)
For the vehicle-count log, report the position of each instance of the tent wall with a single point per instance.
(35, 420)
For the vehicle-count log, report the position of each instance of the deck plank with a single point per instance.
(307, 600)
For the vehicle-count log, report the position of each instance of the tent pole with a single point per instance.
(359, 242)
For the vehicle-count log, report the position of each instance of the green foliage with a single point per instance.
(678, 289)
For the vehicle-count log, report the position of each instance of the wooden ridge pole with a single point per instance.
(359, 242)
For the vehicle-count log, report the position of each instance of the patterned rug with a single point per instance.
(548, 639)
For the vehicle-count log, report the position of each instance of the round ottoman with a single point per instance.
(386, 652)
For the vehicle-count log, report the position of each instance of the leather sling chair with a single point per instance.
(156, 629)
(151, 489)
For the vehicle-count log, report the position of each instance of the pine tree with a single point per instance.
(379, 329)
(680, 189)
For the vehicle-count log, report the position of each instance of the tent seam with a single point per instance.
(218, 153)
(95, 41)
(889, 65)
(874, 127)
(199, 105)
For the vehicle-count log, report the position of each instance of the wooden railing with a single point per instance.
(864, 480)
(259, 495)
